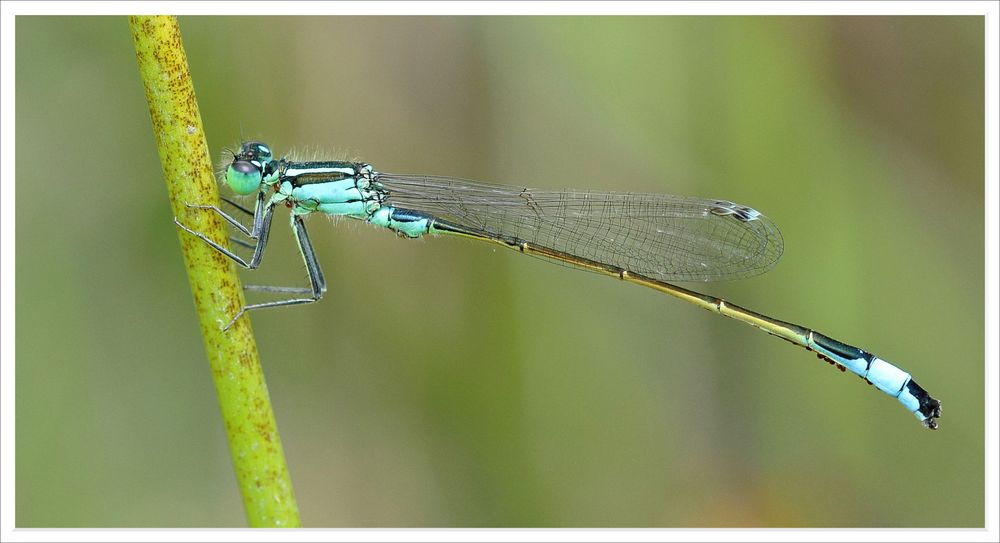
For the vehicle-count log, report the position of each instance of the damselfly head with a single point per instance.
(254, 151)
(249, 167)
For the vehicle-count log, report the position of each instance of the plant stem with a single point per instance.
(218, 294)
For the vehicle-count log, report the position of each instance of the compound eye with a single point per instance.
(243, 177)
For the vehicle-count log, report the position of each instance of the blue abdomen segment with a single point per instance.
(402, 221)
(883, 375)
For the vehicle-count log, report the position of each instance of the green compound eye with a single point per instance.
(243, 177)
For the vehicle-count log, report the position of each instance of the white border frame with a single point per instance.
(9, 10)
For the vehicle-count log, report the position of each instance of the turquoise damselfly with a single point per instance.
(647, 239)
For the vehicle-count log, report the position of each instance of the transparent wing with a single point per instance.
(665, 237)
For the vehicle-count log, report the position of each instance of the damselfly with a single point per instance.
(647, 239)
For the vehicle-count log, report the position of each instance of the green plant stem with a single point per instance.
(239, 380)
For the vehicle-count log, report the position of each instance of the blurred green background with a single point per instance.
(449, 383)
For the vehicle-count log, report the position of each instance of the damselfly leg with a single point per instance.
(259, 233)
